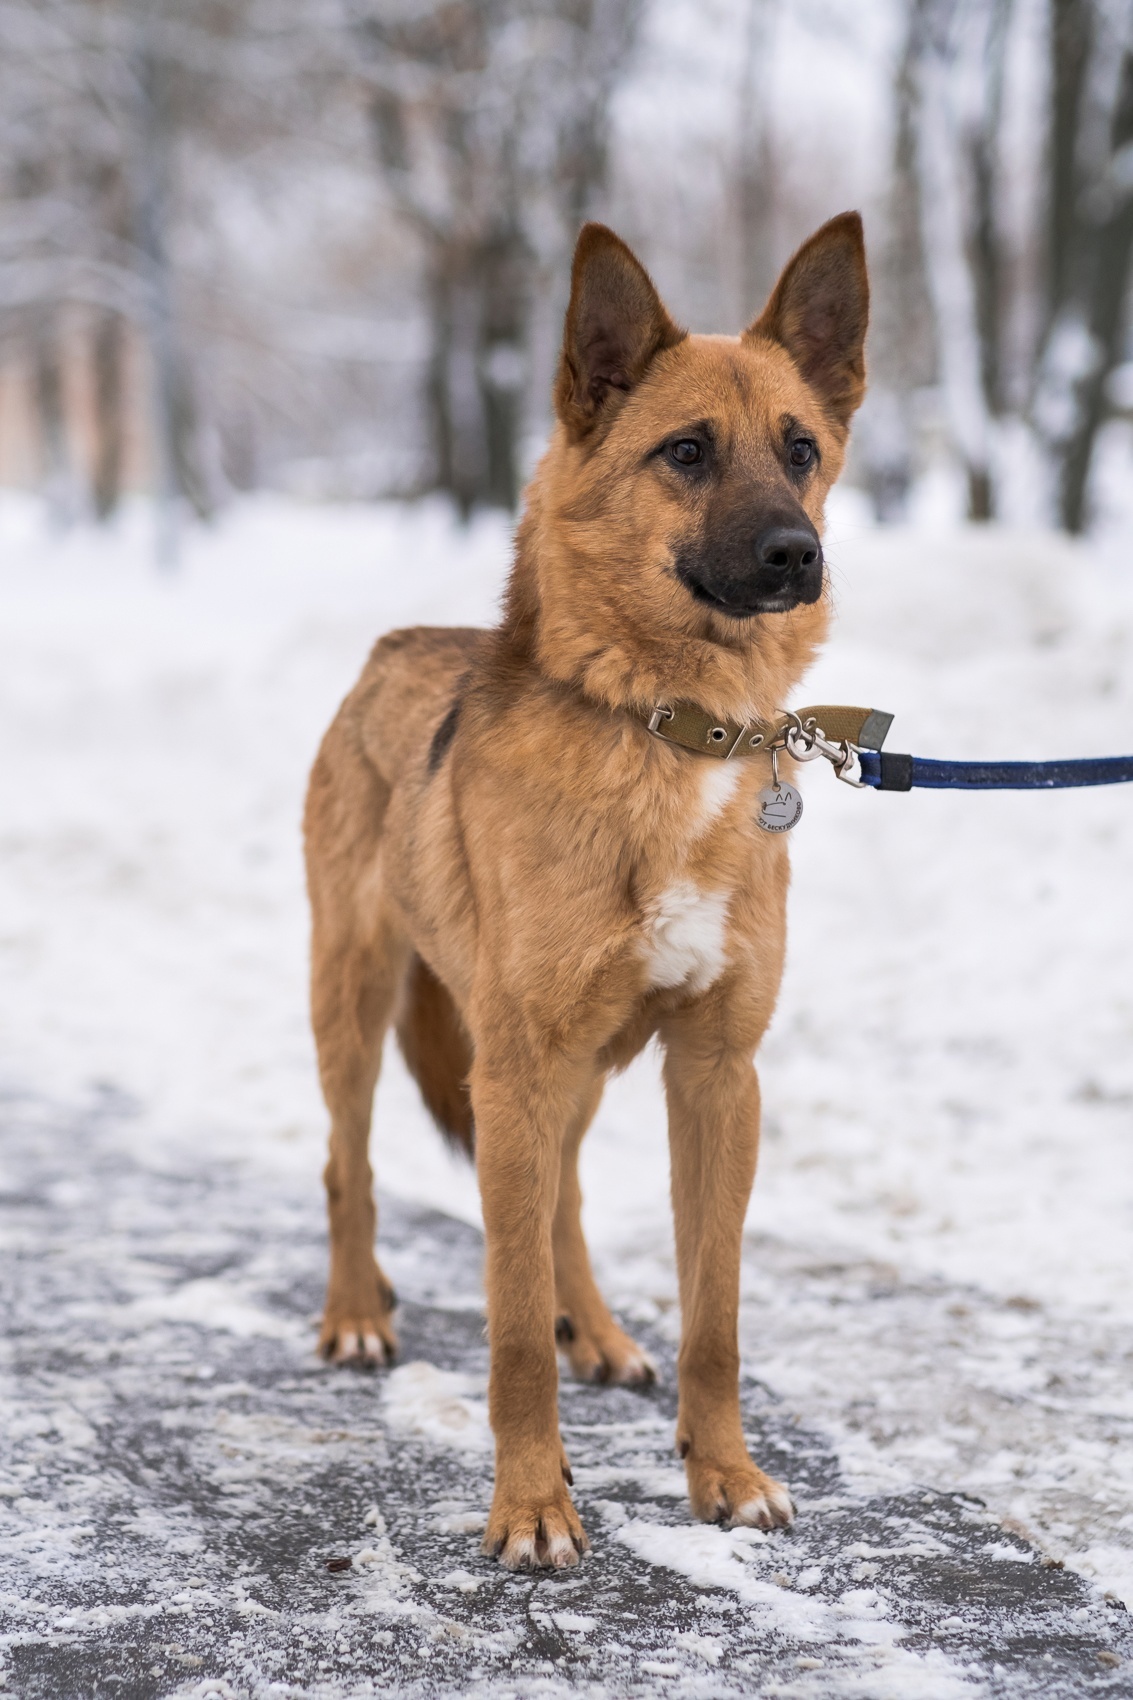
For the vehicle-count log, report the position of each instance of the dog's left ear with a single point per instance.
(616, 323)
(819, 310)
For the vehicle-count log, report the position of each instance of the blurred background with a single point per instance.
(320, 247)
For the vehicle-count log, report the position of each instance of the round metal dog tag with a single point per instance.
(780, 808)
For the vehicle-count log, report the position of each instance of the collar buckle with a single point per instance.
(739, 738)
(721, 738)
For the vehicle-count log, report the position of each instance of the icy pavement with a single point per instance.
(193, 1505)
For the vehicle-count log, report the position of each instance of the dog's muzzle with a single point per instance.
(784, 570)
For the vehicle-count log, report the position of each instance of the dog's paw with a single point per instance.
(535, 1534)
(737, 1494)
(357, 1325)
(361, 1341)
(609, 1356)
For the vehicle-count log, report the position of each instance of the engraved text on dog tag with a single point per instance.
(779, 808)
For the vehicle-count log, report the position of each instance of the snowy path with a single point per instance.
(176, 1470)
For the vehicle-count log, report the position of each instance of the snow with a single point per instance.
(946, 1187)
(212, 1304)
(438, 1404)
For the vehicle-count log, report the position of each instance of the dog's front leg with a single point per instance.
(713, 1097)
(522, 1101)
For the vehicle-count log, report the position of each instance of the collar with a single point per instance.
(686, 724)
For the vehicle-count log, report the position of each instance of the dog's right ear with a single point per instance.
(615, 325)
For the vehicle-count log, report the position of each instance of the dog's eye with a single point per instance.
(802, 451)
(686, 452)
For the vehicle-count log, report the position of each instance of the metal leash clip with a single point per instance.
(806, 741)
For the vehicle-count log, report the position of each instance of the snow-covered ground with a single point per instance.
(946, 1175)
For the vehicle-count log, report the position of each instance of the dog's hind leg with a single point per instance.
(356, 986)
(358, 961)
(593, 1344)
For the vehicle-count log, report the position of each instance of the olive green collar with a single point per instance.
(688, 725)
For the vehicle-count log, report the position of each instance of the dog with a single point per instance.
(510, 867)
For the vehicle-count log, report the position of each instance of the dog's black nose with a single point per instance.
(788, 548)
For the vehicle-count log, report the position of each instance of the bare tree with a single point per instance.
(150, 117)
(78, 136)
(108, 346)
(903, 357)
(490, 119)
(952, 77)
(1090, 235)
(99, 101)
(954, 66)
(755, 163)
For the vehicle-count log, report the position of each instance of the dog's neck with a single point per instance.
(567, 617)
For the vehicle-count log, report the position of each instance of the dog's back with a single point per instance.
(405, 692)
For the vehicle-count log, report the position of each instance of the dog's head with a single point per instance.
(688, 476)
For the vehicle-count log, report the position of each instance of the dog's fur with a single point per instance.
(505, 863)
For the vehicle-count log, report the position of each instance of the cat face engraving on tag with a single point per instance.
(778, 808)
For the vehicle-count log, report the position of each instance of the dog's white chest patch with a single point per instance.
(685, 937)
(717, 788)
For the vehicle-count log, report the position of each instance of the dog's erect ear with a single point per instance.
(819, 310)
(615, 324)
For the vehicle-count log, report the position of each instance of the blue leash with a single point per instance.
(853, 748)
(893, 772)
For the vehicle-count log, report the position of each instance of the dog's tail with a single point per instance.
(438, 1051)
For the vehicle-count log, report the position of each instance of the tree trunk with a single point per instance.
(178, 471)
(1105, 314)
(109, 412)
(479, 297)
(1071, 37)
(50, 405)
(755, 167)
(903, 357)
(985, 243)
(1090, 243)
(946, 225)
(954, 53)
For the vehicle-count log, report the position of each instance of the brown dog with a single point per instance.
(503, 860)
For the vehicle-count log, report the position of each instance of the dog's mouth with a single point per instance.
(778, 600)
